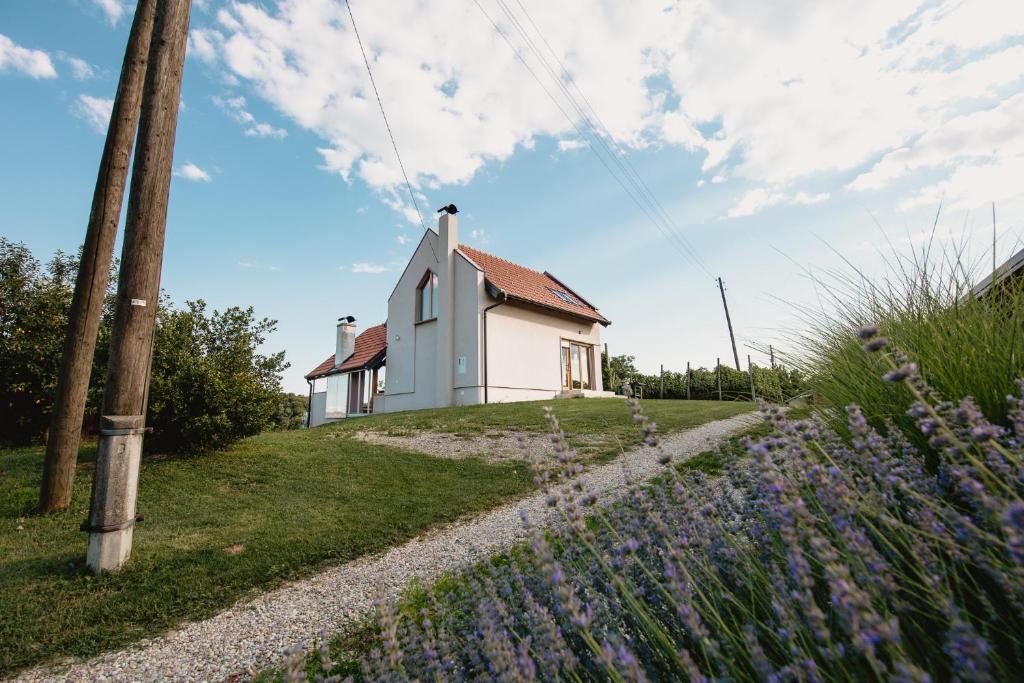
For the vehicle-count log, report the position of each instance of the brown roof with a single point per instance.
(370, 343)
(531, 286)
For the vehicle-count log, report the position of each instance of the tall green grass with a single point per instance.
(926, 305)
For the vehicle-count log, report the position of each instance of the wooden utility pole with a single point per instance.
(115, 481)
(771, 353)
(750, 371)
(608, 368)
(728, 321)
(718, 368)
(94, 270)
(688, 376)
(662, 394)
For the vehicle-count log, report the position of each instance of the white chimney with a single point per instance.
(448, 229)
(345, 342)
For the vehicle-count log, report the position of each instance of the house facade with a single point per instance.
(464, 327)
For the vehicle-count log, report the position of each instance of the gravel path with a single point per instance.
(493, 446)
(251, 636)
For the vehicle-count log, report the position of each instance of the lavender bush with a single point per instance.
(817, 558)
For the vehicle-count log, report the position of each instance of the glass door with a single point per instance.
(576, 365)
(566, 373)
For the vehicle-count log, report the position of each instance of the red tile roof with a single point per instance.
(369, 344)
(530, 286)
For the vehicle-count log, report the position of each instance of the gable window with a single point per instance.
(567, 298)
(426, 297)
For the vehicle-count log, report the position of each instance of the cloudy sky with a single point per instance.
(636, 150)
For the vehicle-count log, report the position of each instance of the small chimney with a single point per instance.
(345, 342)
(448, 230)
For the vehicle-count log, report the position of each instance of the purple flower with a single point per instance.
(876, 344)
(868, 331)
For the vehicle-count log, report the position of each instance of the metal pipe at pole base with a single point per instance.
(111, 522)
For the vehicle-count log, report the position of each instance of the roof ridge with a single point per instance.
(499, 258)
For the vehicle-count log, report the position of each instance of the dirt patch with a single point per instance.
(496, 446)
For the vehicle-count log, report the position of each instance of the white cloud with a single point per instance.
(984, 150)
(770, 93)
(364, 267)
(203, 44)
(81, 70)
(112, 8)
(808, 199)
(94, 110)
(190, 171)
(761, 198)
(402, 239)
(34, 63)
(571, 143)
(755, 200)
(236, 109)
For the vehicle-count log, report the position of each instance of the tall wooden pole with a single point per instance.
(771, 352)
(750, 371)
(718, 367)
(662, 393)
(94, 269)
(728, 321)
(688, 376)
(608, 368)
(115, 481)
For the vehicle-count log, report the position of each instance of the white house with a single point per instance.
(463, 327)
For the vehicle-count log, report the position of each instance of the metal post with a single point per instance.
(750, 371)
(116, 478)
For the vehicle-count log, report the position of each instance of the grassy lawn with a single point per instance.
(274, 507)
(603, 423)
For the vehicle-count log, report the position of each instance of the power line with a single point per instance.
(599, 133)
(603, 133)
(369, 72)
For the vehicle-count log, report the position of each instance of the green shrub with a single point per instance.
(209, 385)
(965, 346)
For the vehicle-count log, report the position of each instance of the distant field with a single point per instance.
(274, 507)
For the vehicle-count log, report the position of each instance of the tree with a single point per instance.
(617, 370)
(290, 412)
(33, 316)
(210, 386)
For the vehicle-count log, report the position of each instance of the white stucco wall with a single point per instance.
(412, 348)
(523, 352)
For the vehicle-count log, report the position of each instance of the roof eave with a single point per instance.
(555, 309)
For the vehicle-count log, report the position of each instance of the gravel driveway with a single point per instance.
(251, 636)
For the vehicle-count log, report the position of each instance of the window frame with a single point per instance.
(427, 284)
(585, 356)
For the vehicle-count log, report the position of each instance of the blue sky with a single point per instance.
(773, 138)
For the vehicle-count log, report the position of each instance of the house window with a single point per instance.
(426, 298)
(567, 298)
(577, 361)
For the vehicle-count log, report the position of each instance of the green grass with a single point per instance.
(713, 462)
(924, 306)
(295, 501)
(599, 427)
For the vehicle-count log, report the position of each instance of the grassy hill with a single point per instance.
(274, 507)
